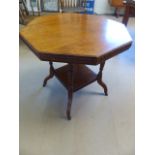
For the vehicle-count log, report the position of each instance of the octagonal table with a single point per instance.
(78, 40)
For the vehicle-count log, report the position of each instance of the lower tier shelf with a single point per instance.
(82, 76)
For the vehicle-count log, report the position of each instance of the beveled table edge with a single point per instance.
(65, 58)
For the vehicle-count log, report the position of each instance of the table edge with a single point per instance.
(90, 60)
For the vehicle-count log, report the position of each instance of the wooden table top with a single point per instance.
(75, 38)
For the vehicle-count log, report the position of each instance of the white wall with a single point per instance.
(102, 7)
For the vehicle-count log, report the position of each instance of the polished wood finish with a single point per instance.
(74, 77)
(77, 40)
(82, 76)
(51, 74)
(117, 4)
(99, 79)
(129, 10)
(70, 90)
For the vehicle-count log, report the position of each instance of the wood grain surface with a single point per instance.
(75, 38)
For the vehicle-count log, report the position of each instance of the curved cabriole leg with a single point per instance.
(99, 79)
(70, 91)
(51, 73)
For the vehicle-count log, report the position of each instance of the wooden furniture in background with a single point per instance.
(79, 40)
(72, 6)
(23, 11)
(118, 5)
(129, 10)
(25, 16)
(50, 5)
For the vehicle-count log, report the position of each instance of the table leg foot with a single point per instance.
(99, 79)
(68, 115)
(103, 85)
(46, 79)
(70, 91)
(51, 74)
(116, 12)
(126, 15)
(68, 111)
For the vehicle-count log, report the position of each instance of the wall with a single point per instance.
(102, 7)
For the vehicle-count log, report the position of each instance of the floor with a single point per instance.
(100, 125)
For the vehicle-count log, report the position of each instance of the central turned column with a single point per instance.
(74, 77)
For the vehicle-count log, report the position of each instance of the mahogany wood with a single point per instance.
(75, 39)
(82, 76)
(70, 90)
(118, 5)
(129, 10)
(51, 74)
(99, 79)
(75, 77)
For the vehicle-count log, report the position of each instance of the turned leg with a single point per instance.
(70, 91)
(126, 15)
(99, 79)
(51, 73)
(116, 12)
